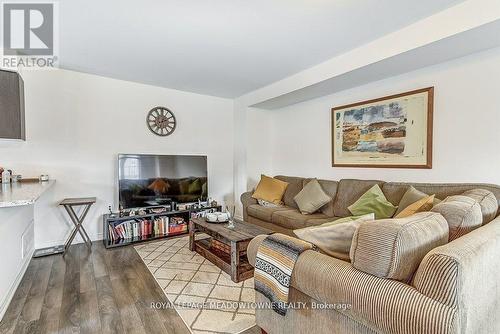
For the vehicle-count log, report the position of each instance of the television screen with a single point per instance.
(150, 180)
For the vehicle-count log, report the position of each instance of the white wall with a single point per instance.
(466, 126)
(252, 149)
(76, 125)
(259, 143)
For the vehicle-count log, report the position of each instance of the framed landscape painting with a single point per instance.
(392, 132)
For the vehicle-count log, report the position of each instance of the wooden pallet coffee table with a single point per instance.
(234, 262)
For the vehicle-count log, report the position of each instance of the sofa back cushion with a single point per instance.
(394, 248)
(294, 187)
(487, 201)
(349, 191)
(330, 188)
(462, 213)
(394, 191)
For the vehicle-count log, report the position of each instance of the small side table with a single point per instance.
(69, 204)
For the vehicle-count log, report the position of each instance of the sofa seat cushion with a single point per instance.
(487, 201)
(264, 212)
(293, 219)
(349, 191)
(319, 221)
(270, 226)
(394, 248)
(462, 213)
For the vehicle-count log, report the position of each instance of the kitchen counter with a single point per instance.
(22, 193)
(17, 233)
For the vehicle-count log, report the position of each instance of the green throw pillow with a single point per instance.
(373, 201)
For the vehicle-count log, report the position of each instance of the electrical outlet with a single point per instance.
(28, 240)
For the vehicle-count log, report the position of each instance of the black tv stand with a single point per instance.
(112, 220)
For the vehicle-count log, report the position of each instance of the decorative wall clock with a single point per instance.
(161, 121)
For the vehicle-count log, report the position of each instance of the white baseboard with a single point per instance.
(52, 243)
(4, 304)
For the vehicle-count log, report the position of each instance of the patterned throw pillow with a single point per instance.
(267, 204)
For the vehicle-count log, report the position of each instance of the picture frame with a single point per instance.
(394, 131)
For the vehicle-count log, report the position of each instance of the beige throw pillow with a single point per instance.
(311, 198)
(333, 239)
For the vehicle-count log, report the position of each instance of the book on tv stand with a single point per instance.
(121, 228)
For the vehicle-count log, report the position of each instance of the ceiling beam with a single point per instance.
(469, 27)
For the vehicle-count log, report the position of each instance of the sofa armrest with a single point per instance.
(382, 304)
(252, 248)
(464, 273)
(247, 200)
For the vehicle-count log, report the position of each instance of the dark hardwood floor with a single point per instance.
(105, 291)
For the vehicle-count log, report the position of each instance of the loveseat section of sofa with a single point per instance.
(454, 290)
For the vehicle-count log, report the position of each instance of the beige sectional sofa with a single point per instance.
(455, 287)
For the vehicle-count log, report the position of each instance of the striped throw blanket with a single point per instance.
(274, 264)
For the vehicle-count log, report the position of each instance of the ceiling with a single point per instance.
(222, 47)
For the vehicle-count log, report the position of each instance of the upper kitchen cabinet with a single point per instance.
(11, 106)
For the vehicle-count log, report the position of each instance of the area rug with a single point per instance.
(204, 296)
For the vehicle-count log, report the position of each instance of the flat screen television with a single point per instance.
(151, 180)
